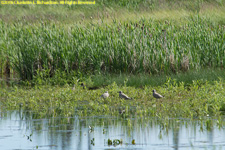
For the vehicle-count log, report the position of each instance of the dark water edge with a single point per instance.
(20, 131)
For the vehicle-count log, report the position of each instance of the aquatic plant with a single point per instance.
(196, 100)
(144, 46)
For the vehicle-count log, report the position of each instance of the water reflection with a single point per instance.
(19, 131)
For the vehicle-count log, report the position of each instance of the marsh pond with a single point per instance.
(19, 132)
(57, 61)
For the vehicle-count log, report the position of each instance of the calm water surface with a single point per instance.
(20, 132)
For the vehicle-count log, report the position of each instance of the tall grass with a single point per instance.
(145, 46)
(111, 9)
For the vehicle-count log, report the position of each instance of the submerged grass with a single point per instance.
(199, 99)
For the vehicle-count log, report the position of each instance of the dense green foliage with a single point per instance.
(145, 46)
(150, 36)
(199, 99)
(116, 45)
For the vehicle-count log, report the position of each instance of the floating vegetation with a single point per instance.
(199, 99)
(109, 142)
(29, 137)
(133, 142)
(115, 142)
(103, 131)
(119, 132)
(93, 141)
(91, 129)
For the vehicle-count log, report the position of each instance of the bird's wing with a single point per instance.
(125, 96)
(158, 95)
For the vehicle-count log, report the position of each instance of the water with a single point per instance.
(18, 131)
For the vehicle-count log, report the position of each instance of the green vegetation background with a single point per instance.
(132, 37)
(176, 47)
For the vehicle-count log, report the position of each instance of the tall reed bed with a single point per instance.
(145, 46)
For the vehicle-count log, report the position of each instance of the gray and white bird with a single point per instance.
(156, 95)
(105, 95)
(124, 96)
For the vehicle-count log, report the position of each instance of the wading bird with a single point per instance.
(122, 95)
(156, 95)
(105, 95)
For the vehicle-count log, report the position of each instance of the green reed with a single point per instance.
(145, 46)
